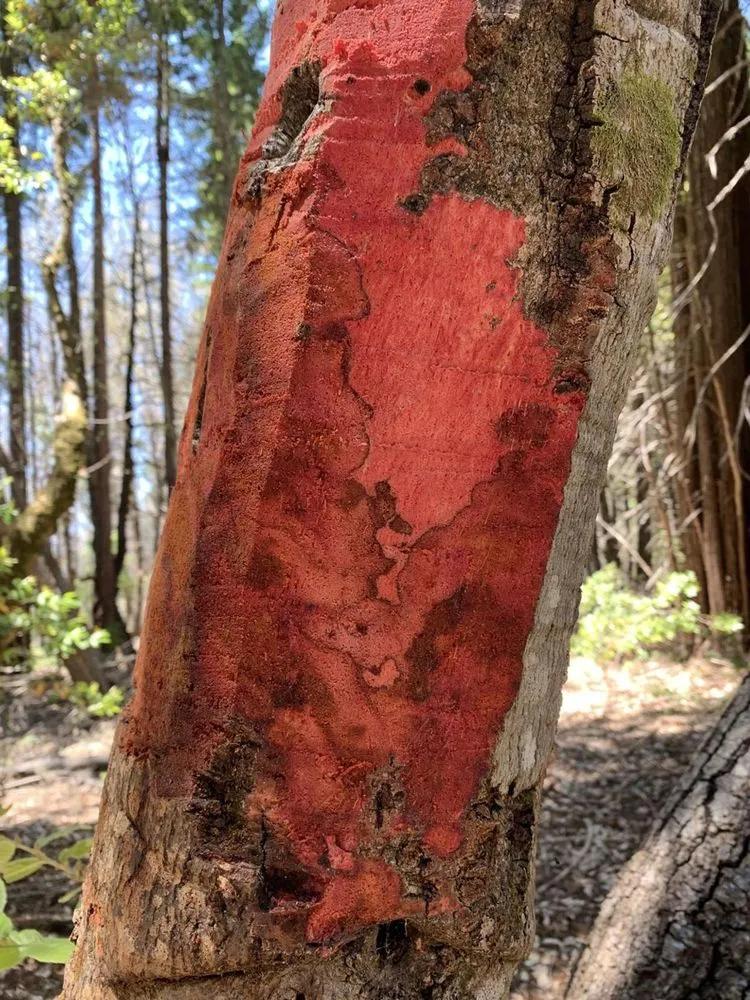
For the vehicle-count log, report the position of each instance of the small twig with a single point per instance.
(32, 779)
(60, 866)
(581, 853)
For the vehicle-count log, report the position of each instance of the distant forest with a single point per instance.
(122, 126)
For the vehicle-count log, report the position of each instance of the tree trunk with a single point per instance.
(675, 924)
(162, 149)
(128, 469)
(221, 104)
(36, 523)
(155, 458)
(29, 533)
(709, 327)
(12, 201)
(106, 613)
(441, 248)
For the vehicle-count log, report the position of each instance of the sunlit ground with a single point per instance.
(626, 733)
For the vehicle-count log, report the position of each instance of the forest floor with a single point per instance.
(626, 734)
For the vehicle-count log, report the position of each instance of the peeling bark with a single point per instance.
(675, 925)
(431, 285)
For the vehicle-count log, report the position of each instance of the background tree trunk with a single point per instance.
(713, 438)
(35, 526)
(12, 201)
(29, 534)
(162, 149)
(126, 487)
(106, 613)
(675, 924)
(441, 250)
(221, 104)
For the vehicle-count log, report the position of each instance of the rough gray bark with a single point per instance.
(675, 925)
(576, 120)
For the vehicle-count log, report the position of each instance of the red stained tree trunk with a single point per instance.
(442, 244)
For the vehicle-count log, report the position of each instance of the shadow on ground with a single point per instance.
(625, 736)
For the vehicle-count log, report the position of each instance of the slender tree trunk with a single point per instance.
(36, 524)
(710, 327)
(140, 571)
(12, 201)
(155, 458)
(435, 271)
(71, 563)
(67, 323)
(30, 532)
(644, 536)
(675, 924)
(126, 487)
(106, 613)
(15, 355)
(221, 103)
(162, 148)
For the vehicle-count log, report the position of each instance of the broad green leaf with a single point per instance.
(25, 937)
(21, 868)
(81, 849)
(50, 949)
(63, 831)
(70, 896)
(3, 896)
(6, 925)
(7, 850)
(10, 954)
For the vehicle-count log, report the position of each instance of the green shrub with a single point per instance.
(618, 623)
(36, 617)
(17, 945)
(17, 862)
(89, 695)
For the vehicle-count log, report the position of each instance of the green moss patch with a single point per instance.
(638, 143)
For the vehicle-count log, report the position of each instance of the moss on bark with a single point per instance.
(37, 522)
(638, 143)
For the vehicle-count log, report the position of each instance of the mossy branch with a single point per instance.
(26, 537)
